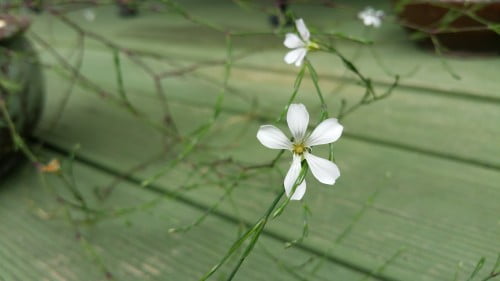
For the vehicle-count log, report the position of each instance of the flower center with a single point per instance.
(312, 46)
(299, 148)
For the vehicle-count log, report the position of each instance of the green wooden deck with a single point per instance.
(432, 150)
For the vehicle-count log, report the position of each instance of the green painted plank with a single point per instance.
(36, 243)
(445, 125)
(461, 129)
(442, 212)
(174, 37)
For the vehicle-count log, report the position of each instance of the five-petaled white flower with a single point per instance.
(300, 44)
(371, 17)
(301, 144)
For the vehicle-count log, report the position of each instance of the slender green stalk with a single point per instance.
(438, 48)
(298, 181)
(347, 230)
(199, 133)
(478, 268)
(288, 269)
(181, 11)
(306, 213)
(257, 227)
(18, 141)
(119, 80)
(382, 267)
(296, 86)
(214, 207)
(315, 79)
(495, 272)
(324, 107)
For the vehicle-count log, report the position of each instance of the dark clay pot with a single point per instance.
(464, 33)
(21, 87)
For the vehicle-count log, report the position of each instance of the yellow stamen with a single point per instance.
(299, 149)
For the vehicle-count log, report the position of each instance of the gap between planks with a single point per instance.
(235, 220)
(421, 89)
(370, 140)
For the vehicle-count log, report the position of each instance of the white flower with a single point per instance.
(89, 15)
(301, 145)
(300, 44)
(371, 17)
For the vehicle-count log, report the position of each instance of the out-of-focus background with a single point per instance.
(419, 192)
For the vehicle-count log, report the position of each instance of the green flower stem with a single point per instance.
(259, 226)
(296, 87)
(198, 134)
(253, 232)
(119, 80)
(495, 271)
(315, 79)
(382, 267)
(346, 231)
(18, 141)
(305, 227)
(324, 107)
(298, 181)
(478, 267)
(214, 207)
(267, 165)
(181, 11)
(346, 37)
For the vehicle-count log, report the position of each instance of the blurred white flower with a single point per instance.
(2, 23)
(301, 145)
(371, 17)
(89, 14)
(300, 44)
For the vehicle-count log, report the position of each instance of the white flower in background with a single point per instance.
(89, 14)
(371, 17)
(300, 44)
(301, 145)
(2, 23)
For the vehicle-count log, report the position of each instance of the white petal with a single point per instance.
(301, 57)
(298, 119)
(299, 191)
(323, 170)
(327, 131)
(291, 177)
(273, 137)
(293, 41)
(295, 55)
(302, 29)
